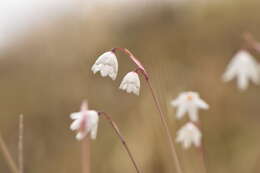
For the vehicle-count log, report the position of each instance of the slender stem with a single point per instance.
(202, 150)
(250, 40)
(117, 131)
(134, 59)
(162, 116)
(163, 119)
(203, 158)
(86, 155)
(20, 144)
(8, 156)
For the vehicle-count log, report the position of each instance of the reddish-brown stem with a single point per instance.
(134, 59)
(141, 69)
(20, 144)
(116, 129)
(166, 127)
(86, 155)
(8, 156)
(249, 40)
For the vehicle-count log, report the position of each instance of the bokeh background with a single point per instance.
(185, 45)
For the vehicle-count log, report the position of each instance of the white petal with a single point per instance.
(104, 72)
(242, 82)
(81, 135)
(75, 115)
(95, 68)
(229, 74)
(129, 89)
(94, 132)
(197, 141)
(181, 110)
(201, 104)
(137, 91)
(93, 123)
(193, 114)
(175, 102)
(75, 124)
(255, 74)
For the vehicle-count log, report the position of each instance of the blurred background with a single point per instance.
(47, 50)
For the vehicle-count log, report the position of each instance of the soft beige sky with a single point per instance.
(17, 17)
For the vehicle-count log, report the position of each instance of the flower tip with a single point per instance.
(84, 105)
(79, 136)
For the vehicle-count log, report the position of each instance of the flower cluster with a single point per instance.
(189, 103)
(107, 65)
(244, 67)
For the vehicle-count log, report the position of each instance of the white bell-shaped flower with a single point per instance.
(189, 134)
(85, 122)
(131, 83)
(189, 102)
(244, 67)
(107, 65)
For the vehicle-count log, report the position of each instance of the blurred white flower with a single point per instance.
(189, 134)
(244, 67)
(107, 65)
(131, 83)
(189, 102)
(85, 121)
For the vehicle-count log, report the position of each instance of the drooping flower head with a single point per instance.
(85, 122)
(189, 102)
(131, 83)
(107, 65)
(189, 134)
(244, 67)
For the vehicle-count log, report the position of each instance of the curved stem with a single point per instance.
(134, 59)
(142, 70)
(166, 127)
(116, 129)
(8, 156)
